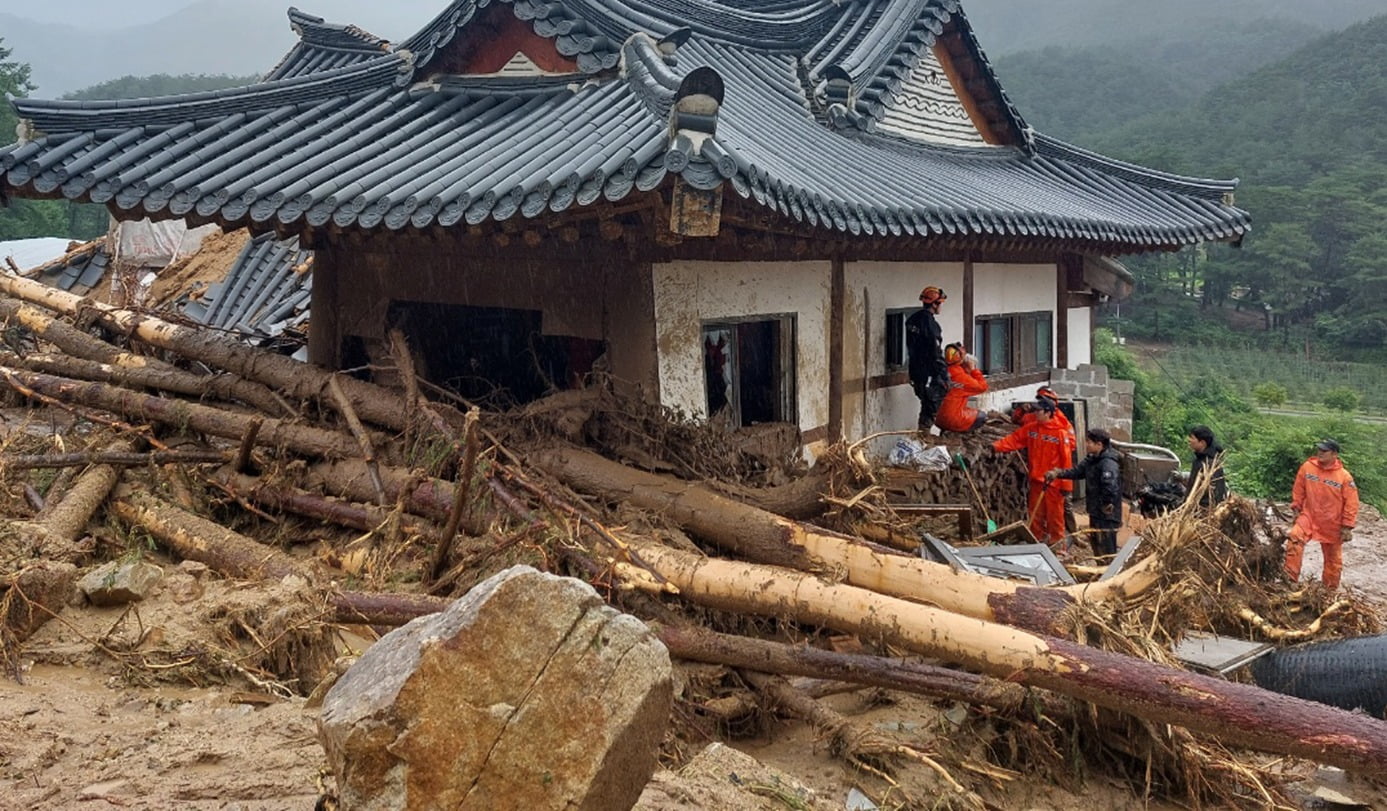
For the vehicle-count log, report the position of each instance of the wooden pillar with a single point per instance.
(1069, 264)
(837, 301)
(968, 302)
(325, 326)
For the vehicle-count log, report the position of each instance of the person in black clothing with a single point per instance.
(1207, 456)
(924, 340)
(1102, 475)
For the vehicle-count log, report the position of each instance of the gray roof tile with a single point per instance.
(383, 142)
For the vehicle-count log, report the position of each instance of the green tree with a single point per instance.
(1342, 398)
(1270, 394)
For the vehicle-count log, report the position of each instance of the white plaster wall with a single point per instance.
(1003, 288)
(999, 289)
(690, 293)
(1080, 336)
(872, 289)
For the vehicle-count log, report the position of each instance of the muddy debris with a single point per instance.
(301, 515)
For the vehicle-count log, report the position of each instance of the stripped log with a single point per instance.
(192, 537)
(304, 381)
(768, 538)
(182, 414)
(1237, 714)
(90, 357)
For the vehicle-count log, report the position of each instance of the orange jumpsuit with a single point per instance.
(1326, 498)
(1049, 444)
(954, 413)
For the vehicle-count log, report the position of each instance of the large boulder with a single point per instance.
(529, 692)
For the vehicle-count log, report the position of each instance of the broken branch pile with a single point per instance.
(292, 478)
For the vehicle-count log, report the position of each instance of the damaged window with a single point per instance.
(1014, 343)
(896, 353)
(749, 369)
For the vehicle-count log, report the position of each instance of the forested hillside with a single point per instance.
(1075, 92)
(1302, 133)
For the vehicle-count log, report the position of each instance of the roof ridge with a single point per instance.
(51, 116)
(1209, 188)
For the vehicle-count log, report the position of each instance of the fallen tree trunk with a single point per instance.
(301, 502)
(1234, 713)
(182, 414)
(29, 461)
(86, 352)
(768, 538)
(192, 537)
(701, 645)
(351, 479)
(373, 403)
(178, 381)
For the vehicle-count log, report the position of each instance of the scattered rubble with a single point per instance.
(302, 514)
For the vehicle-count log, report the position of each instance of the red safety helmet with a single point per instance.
(1047, 393)
(953, 353)
(932, 294)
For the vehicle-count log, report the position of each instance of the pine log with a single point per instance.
(701, 645)
(351, 514)
(302, 381)
(351, 479)
(768, 538)
(32, 461)
(192, 537)
(392, 610)
(92, 358)
(1236, 714)
(182, 414)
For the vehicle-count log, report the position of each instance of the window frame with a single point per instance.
(1022, 351)
(896, 357)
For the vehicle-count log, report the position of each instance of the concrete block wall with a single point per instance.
(1109, 400)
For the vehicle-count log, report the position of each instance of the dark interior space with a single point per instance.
(492, 355)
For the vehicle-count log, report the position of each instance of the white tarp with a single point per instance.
(30, 253)
(143, 243)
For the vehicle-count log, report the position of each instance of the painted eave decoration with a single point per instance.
(866, 117)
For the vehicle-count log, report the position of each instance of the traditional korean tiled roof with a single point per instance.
(264, 294)
(860, 116)
(78, 271)
(324, 46)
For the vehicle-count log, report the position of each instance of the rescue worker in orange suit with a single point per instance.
(1049, 444)
(924, 341)
(1024, 413)
(965, 380)
(1325, 500)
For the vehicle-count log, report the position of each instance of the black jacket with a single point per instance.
(924, 340)
(1102, 475)
(1210, 457)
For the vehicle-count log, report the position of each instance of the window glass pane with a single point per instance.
(1044, 350)
(998, 345)
(895, 340)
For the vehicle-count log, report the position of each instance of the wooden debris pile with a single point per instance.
(333, 501)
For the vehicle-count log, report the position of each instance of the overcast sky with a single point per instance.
(392, 19)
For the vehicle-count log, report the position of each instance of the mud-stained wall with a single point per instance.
(577, 295)
(872, 401)
(688, 294)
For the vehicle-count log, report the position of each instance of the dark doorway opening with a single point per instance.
(493, 355)
(749, 370)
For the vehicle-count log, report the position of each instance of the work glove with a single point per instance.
(1049, 476)
(1345, 534)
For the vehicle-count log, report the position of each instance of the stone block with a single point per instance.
(528, 692)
